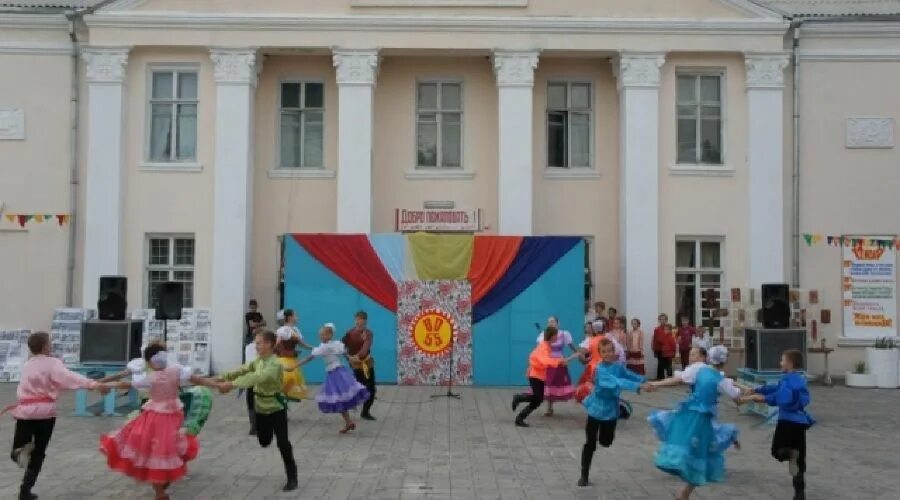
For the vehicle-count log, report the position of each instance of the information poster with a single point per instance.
(869, 288)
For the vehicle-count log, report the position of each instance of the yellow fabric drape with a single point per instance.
(441, 256)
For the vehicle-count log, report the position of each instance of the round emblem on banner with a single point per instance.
(432, 331)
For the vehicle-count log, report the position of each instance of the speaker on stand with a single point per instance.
(112, 299)
(776, 306)
(170, 297)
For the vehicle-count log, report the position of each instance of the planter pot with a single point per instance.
(883, 364)
(864, 380)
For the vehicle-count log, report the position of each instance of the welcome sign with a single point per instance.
(869, 290)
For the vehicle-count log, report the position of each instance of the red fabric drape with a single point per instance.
(352, 257)
(491, 258)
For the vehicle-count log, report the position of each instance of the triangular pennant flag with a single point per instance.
(22, 219)
(829, 240)
(61, 219)
(48, 216)
(39, 218)
(808, 238)
(11, 217)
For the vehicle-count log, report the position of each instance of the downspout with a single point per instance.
(795, 177)
(74, 104)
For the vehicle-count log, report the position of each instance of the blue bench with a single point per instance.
(108, 401)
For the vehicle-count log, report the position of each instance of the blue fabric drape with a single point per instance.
(391, 249)
(536, 255)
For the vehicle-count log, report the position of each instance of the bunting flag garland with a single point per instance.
(23, 219)
(844, 241)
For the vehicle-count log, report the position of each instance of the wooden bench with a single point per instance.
(108, 402)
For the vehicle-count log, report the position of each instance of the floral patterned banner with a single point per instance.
(434, 320)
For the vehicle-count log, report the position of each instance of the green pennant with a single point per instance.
(808, 238)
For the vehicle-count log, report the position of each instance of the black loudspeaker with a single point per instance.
(776, 308)
(112, 300)
(110, 342)
(171, 300)
(763, 346)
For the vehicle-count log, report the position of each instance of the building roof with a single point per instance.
(833, 8)
(50, 4)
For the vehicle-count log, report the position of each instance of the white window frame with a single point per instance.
(592, 111)
(698, 271)
(302, 81)
(723, 99)
(171, 267)
(172, 164)
(439, 113)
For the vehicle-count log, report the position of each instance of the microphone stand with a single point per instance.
(449, 393)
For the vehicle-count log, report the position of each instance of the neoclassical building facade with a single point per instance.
(662, 132)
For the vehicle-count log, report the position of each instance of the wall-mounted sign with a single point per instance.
(438, 220)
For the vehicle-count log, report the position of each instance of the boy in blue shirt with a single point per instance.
(791, 396)
(602, 404)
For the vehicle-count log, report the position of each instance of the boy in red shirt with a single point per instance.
(664, 348)
(685, 337)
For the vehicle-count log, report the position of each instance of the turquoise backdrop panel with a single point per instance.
(502, 342)
(319, 296)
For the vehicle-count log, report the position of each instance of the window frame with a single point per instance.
(302, 81)
(184, 67)
(440, 82)
(698, 271)
(171, 267)
(592, 110)
(697, 72)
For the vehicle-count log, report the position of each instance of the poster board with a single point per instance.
(869, 288)
(187, 338)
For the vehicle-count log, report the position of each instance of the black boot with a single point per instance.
(586, 456)
(799, 487)
(28, 483)
(291, 484)
(520, 419)
(517, 400)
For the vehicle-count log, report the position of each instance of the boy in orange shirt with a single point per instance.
(538, 362)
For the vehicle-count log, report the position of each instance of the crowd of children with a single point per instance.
(155, 445)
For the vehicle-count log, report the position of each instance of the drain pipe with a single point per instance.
(74, 105)
(795, 177)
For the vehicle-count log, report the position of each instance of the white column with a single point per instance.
(105, 75)
(515, 85)
(235, 72)
(356, 72)
(638, 82)
(765, 89)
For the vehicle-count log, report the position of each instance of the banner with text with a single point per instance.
(468, 221)
(869, 290)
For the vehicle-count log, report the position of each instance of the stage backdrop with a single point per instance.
(420, 290)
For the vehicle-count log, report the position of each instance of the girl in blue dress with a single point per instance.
(693, 443)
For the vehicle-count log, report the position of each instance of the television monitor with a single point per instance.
(110, 342)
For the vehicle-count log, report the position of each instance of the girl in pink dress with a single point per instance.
(558, 385)
(153, 447)
(635, 348)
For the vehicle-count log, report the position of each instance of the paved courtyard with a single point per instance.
(442, 449)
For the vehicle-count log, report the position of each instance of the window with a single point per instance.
(302, 124)
(173, 116)
(170, 258)
(700, 119)
(569, 124)
(439, 124)
(698, 269)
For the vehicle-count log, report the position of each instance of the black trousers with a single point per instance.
(275, 424)
(369, 383)
(595, 431)
(251, 412)
(663, 368)
(790, 436)
(39, 432)
(534, 399)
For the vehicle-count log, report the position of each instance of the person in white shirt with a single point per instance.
(288, 340)
(341, 392)
(702, 340)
